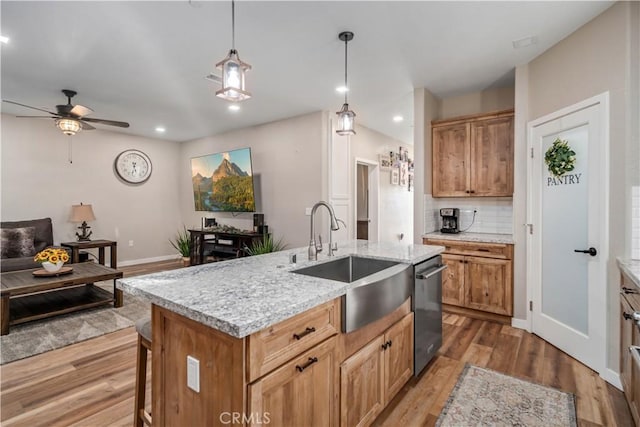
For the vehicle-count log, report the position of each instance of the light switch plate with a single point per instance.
(307, 211)
(193, 374)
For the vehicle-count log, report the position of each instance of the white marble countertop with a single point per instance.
(631, 268)
(245, 295)
(472, 237)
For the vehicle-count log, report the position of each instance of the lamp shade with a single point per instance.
(81, 213)
(68, 126)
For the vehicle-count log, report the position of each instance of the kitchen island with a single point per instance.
(268, 342)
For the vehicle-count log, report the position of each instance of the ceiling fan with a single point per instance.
(71, 118)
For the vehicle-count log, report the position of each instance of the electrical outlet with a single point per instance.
(193, 374)
(130, 243)
(307, 211)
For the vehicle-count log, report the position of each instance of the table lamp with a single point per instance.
(82, 213)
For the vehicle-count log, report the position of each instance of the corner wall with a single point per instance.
(288, 158)
(38, 181)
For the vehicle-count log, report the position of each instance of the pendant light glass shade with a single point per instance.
(345, 121)
(68, 126)
(233, 78)
(233, 69)
(346, 117)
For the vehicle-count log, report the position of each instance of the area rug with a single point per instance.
(483, 397)
(44, 335)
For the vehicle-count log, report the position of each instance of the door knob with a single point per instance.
(590, 251)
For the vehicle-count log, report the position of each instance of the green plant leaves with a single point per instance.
(560, 158)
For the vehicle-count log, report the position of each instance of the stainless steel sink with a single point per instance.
(378, 287)
(347, 269)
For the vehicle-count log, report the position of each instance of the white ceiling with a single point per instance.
(145, 62)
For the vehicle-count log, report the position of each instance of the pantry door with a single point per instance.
(567, 238)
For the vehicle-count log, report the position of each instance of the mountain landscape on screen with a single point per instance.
(223, 182)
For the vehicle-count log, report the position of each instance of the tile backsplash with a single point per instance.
(494, 215)
(635, 222)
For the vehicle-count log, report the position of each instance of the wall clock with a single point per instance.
(133, 166)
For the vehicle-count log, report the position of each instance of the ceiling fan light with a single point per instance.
(68, 126)
(345, 121)
(233, 70)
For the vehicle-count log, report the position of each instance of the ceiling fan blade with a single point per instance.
(80, 111)
(108, 122)
(28, 106)
(86, 126)
(36, 117)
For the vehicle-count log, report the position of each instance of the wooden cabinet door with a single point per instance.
(453, 280)
(488, 285)
(302, 392)
(362, 385)
(451, 156)
(492, 157)
(398, 356)
(626, 340)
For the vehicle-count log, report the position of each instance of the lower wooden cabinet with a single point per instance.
(629, 338)
(479, 276)
(371, 377)
(302, 392)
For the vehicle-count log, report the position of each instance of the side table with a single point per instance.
(89, 244)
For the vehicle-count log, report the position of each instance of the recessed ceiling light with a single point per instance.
(234, 107)
(342, 89)
(4, 39)
(160, 129)
(398, 119)
(527, 41)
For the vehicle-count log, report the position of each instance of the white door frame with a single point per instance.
(374, 197)
(602, 150)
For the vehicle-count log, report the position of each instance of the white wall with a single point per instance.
(38, 181)
(288, 159)
(395, 202)
(597, 58)
(485, 101)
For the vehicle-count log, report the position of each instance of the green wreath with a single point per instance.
(560, 158)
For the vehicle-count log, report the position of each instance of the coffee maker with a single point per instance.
(450, 220)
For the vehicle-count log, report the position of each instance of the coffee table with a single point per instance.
(26, 297)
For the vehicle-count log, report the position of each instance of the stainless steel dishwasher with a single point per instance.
(426, 303)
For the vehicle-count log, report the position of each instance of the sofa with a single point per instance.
(21, 240)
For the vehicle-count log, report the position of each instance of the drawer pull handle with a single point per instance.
(483, 250)
(627, 316)
(305, 333)
(629, 290)
(310, 362)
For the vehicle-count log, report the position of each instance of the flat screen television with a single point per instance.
(223, 182)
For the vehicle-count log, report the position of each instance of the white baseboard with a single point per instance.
(520, 323)
(612, 377)
(147, 260)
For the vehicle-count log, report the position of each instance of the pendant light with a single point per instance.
(233, 69)
(345, 116)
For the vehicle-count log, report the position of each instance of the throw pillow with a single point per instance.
(17, 242)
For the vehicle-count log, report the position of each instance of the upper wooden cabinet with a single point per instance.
(473, 155)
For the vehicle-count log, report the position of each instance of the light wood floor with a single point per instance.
(92, 383)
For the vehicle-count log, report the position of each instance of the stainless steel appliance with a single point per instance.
(450, 220)
(426, 303)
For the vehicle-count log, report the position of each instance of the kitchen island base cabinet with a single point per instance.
(303, 392)
(629, 338)
(371, 377)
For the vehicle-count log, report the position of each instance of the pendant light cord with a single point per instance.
(345, 71)
(233, 25)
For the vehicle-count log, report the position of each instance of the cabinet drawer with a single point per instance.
(281, 342)
(487, 250)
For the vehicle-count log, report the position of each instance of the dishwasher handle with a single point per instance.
(430, 272)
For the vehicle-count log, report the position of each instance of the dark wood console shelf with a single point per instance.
(219, 244)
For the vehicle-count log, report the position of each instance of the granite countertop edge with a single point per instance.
(237, 309)
(631, 268)
(472, 237)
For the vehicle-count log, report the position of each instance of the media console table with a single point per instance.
(222, 244)
(26, 297)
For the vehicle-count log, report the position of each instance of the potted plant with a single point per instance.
(265, 246)
(182, 243)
